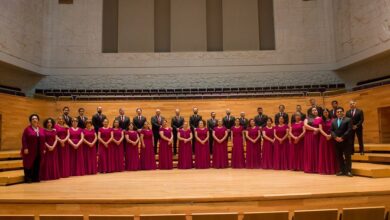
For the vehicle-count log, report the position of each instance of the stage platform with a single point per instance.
(190, 191)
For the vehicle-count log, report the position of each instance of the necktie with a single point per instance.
(228, 118)
(338, 122)
(122, 118)
(353, 112)
(139, 118)
(159, 119)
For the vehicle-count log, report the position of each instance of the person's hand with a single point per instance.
(354, 127)
(25, 151)
(328, 137)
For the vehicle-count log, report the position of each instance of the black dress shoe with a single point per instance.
(349, 174)
(340, 174)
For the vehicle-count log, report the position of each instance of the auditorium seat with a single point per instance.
(364, 213)
(283, 215)
(163, 217)
(215, 216)
(17, 217)
(322, 214)
(111, 217)
(61, 217)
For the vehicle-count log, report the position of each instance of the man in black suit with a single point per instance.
(281, 113)
(98, 118)
(228, 120)
(66, 116)
(340, 132)
(357, 117)
(176, 124)
(261, 119)
(313, 104)
(298, 110)
(139, 120)
(124, 121)
(335, 105)
(243, 121)
(211, 123)
(156, 121)
(194, 123)
(81, 118)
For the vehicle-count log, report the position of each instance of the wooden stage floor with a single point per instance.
(178, 191)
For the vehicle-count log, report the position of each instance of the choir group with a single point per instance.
(319, 142)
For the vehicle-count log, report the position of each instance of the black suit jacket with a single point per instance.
(68, 120)
(155, 124)
(228, 123)
(244, 122)
(194, 121)
(343, 131)
(285, 117)
(357, 118)
(261, 120)
(139, 124)
(125, 123)
(303, 117)
(97, 121)
(332, 113)
(211, 124)
(319, 109)
(82, 121)
(177, 123)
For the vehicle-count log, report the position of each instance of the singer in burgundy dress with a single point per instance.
(105, 137)
(117, 149)
(202, 150)
(185, 147)
(311, 143)
(89, 148)
(131, 149)
(297, 134)
(76, 149)
(281, 146)
(327, 157)
(267, 160)
(237, 135)
(49, 169)
(63, 147)
(220, 152)
(148, 161)
(253, 146)
(165, 147)
(33, 147)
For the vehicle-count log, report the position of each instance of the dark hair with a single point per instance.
(323, 115)
(81, 109)
(88, 122)
(269, 118)
(138, 109)
(299, 105)
(31, 116)
(259, 108)
(340, 108)
(282, 106)
(335, 101)
(113, 123)
(47, 122)
(132, 124)
(66, 107)
(75, 119)
(250, 120)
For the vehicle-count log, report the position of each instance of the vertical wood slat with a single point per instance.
(214, 25)
(266, 25)
(110, 26)
(162, 25)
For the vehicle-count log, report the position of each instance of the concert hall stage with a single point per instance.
(192, 191)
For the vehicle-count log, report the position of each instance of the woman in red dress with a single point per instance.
(105, 137)
(185, 147)
(165, 147)
(132, 149)
(63, 147)
(253, 146)
(117, 149)
(220, 152)
(311, 144)
(281, 146)
(327, 157)
(268, 145)
(148, 160)
(76, 149)
(237, 135)
(49, 169)
(202, 150)
(297, 134)
(89, 147)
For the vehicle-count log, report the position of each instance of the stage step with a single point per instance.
(372, 157)
(370, 170)
(10, 154)
(374, 147)
(11, 164)
(11, 177)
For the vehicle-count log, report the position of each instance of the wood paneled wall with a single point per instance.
(15, 110)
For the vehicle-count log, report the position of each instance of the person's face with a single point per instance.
(299, 108)
(242, 115)
(81, 112)
(74, 123)
(185, 125)
(335, 105)
(281, 120)
(352, 104)
(312, 102)
(269, 122)
(164, 123)
(281, 108)
(340, 113)
(131, 127)
(314, 111)
(105, 123)
(158, 112)
(88, 126)
(326, 114)
(252, 123)
(99, 110)
(121, 112)
(139, 111)
(237, 122)
(201, 125)
(146, 125)
(297, 117)
(195, 110)
(116, 124)
(213, 115)
(49, 124)
(66, 111)
(60, 120)
(177, 112)
(219, 123)
(227, 112)
(260, 111)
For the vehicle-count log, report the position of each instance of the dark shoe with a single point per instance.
(349, 174)
(340, 174)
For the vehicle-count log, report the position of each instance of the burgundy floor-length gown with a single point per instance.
(76, 155)
(185, 150)
(50, 169)
(118, 154)
(148, 160)
(34, 142)
(105, 156)
(220, 152)
(131, 152)
(253, 150)
(165, 151)
(63, 152)
(296, 150)
(327, 158)
(238, 157)
(267, 160)
(281, 154)
(90, 159)
(310, 149)
(202, 151)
